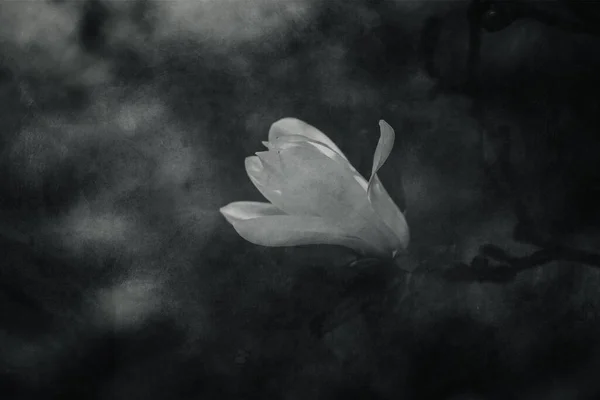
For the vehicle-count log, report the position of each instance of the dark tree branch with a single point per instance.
(496, 265)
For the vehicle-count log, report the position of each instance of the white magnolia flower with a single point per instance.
(317, 197)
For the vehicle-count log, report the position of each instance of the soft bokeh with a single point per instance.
(125, 125)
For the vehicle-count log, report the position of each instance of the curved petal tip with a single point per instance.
(379, 198)
(246, 210)
(384, 146)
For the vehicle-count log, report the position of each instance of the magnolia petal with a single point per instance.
(313, 184)
(286, 142)
(301, 181)
(296, 127)
(244, 210)
(265, 172)
(289, 141)
(379, 198)
(276, 230)
(310, 179)
(384, 146)
(383, 151)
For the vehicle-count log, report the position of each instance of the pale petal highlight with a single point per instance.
(264, 172)
(245, 210)
(294, 127)
(384, 146)
(291, 230)
(379, 198)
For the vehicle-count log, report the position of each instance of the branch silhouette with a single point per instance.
(495, 264)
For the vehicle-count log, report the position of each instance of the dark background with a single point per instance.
(124, 129)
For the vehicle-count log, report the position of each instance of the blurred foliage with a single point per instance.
(125, 125)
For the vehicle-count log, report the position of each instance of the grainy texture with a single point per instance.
(124, 129)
